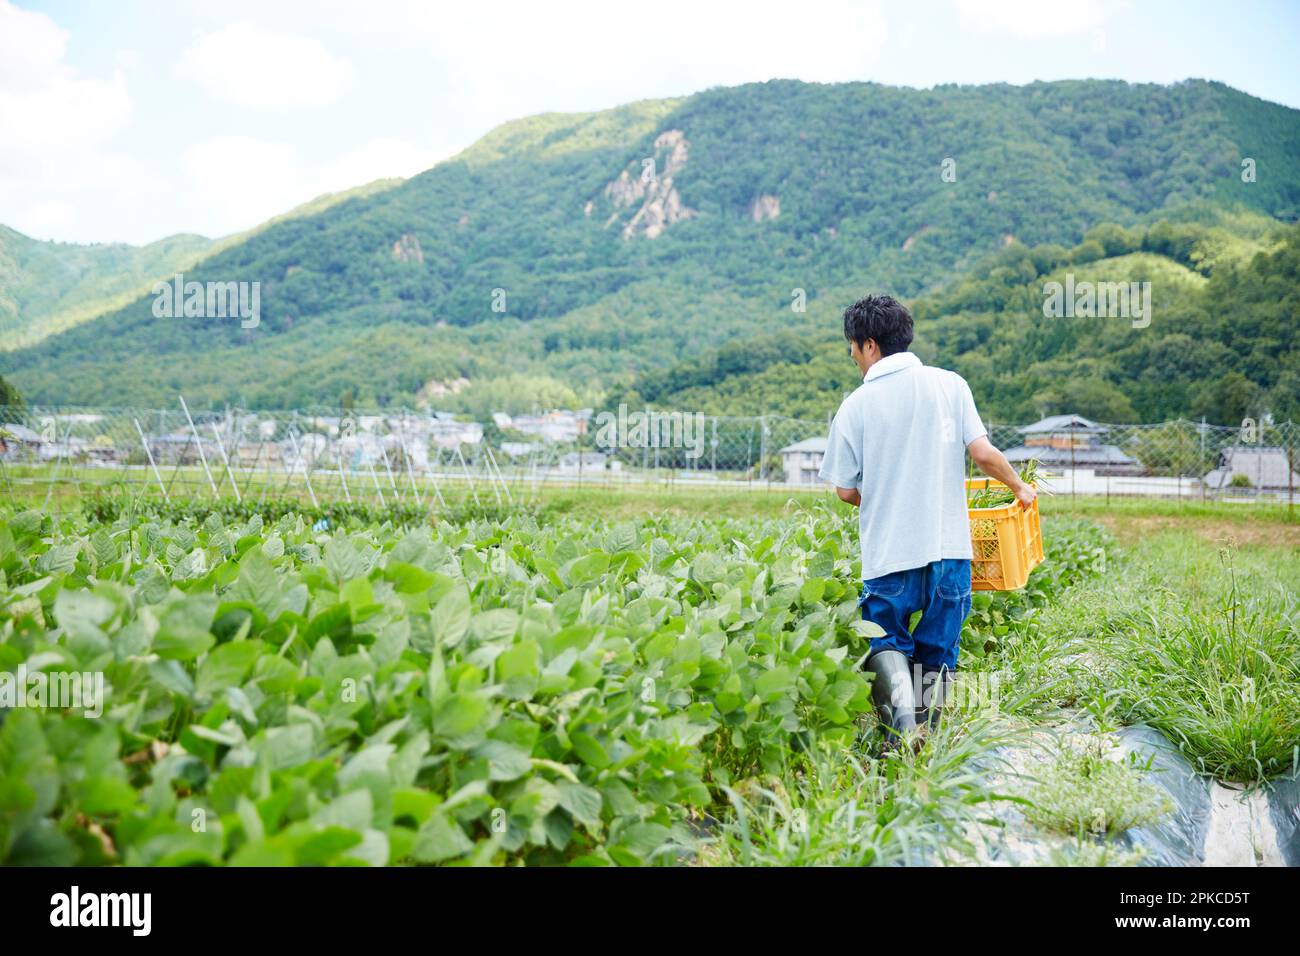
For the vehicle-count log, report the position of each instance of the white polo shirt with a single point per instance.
(900, 439)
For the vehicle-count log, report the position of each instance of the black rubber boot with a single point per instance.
(893, 694)
(936, 687)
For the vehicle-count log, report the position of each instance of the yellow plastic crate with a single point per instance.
(1006, 542)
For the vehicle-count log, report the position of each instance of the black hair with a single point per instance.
(879, 317)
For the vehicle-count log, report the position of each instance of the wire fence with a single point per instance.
(435, 460)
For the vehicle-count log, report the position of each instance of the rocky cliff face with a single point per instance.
(407, 249)
(650, 188)
(764, 207)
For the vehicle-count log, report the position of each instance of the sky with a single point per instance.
(138, 119)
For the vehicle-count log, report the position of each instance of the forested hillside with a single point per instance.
(1221, 341)
(573, 258)
(47, 287)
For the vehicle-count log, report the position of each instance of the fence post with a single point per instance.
(1290, 471)
(715, 447)
(749, 459)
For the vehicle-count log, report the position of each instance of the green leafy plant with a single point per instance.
(278, 692)
(996, 497)
(1082, 792)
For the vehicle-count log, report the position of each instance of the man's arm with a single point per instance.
(842, 462)
(994, 464)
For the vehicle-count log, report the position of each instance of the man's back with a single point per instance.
(900, 439)
(897, 451)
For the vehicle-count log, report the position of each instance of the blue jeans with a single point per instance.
(940, 591)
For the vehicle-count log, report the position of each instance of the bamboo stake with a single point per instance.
(226, 460)
(152, 464)
(306, 473)
(202, 457)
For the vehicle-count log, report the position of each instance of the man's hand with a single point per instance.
(994, 464)
(849, 495)
(1026, 494)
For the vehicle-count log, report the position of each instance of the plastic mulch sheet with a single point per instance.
(1284, 807)
(1179, 838)
(1211, 823)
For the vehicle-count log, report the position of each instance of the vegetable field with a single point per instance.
(508, 689)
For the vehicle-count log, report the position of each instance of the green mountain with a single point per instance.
(574, 257)
(47, 287)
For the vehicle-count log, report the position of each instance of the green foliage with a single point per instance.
(834, 809)
(9, 395)
(494, 691)
(47, 287)
(1194, 638)
(110, 508)
(1222, 683)
(1221, 347)
(1083, 792)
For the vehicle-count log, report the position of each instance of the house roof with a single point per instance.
(1075, 424)
(808, 444)
(20, 432)
(1265, 467)
(1084, 457)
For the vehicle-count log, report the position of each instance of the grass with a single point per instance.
(31, 487)
(836, 807)
(612, 499)
(1224, 684)
(1083, 793)
(1202, 642)
(1181, 508)
(1091, 853)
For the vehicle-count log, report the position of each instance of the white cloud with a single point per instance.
(506, 58)
(519, 59)
(478, 65)
(236, 182)
(57, 126)
(49, 112)
(49, 217)
(236, 177)
(31, 44)
(246, 65)
(377, 159)
(1034, 18)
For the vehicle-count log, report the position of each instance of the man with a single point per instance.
(897, 452)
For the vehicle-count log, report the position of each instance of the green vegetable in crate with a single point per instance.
(997, 497)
